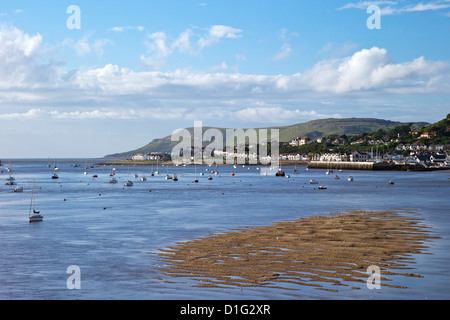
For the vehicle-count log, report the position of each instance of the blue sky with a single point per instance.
(139, 70)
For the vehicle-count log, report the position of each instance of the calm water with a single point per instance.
(112, 232)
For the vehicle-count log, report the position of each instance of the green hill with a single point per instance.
(312, 129)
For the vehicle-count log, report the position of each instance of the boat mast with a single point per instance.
(32, 198)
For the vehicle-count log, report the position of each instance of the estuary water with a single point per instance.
(113, 233)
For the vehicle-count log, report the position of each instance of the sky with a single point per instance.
(113, 75)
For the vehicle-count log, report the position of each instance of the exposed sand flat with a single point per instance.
(317, 251)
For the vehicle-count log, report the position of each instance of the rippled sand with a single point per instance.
(321, 251)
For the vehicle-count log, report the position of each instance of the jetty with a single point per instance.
(372, 165)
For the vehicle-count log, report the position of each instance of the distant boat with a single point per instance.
(322, 188)
(295, 168)
(18, 189)
(112, 180)
(33, 215)
(128, 184)
(10, 181)
(336, 177)
(328, 169)
(175, 177)
(312, 181)
(195, 180)
(391, 182)
(280, 174)
(55, 166)
(55, 176)
(143, 178)
(210, 178)
(350, 178)
(157, 167)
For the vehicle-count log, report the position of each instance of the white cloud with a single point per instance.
(84, 46)
(23, 59)
(365, 4)
(427, 6)
(390, 7)
(218, 32)
(159, 47)
(284, 52)
(30, 114)
(222, 66)
(280, 115)
(29, 82)
(373, 70)
(125, 28)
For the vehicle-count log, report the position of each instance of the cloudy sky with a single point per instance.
(138, 70)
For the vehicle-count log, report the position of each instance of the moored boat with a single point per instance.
(33, 215)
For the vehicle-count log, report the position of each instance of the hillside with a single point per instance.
(312, 129)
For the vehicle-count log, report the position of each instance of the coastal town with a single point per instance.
(403, 148)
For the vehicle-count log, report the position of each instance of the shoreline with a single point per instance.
(366, 166)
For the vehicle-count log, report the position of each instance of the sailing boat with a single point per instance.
(195, 181)
(143, 178)
(329, 170)
(157, 167)
(129, 183)
(174, 176)
(112, 178)
(152, 174)
(34, 216)
(168, 177)
(295, 168)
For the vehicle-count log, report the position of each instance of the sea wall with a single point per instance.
(369, 165)
(336, 165)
